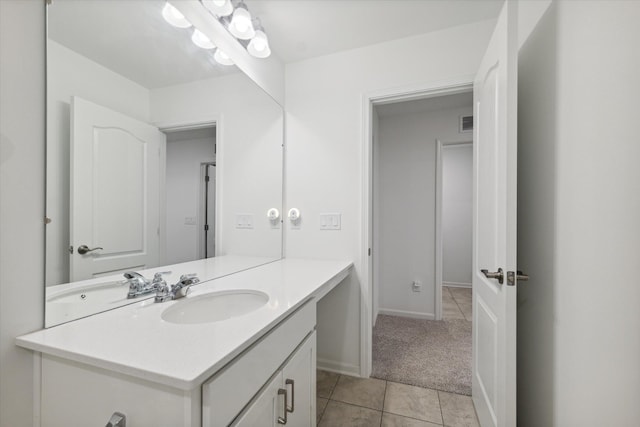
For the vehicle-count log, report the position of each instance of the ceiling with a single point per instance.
(301, 29)
(131, 37)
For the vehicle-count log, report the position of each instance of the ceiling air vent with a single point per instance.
(466, 123)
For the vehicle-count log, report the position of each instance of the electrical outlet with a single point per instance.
(416, 286)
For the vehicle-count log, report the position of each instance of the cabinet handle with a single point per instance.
(283, 420)
(293, 395)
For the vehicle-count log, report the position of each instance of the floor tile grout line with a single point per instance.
(457, 304)
(384, 398)
(355, 404)
(411, 418)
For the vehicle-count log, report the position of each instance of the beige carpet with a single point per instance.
(425, 353)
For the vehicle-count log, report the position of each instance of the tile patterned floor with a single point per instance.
(456, 303)
(344, 401)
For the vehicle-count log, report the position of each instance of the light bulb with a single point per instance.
(219, 7)
(174, 17)
(259, 45)
(241, 26)
(222, 58)
(200, 40)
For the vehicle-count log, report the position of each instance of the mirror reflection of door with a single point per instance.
(112, 230)
(190, 198)
(208, 210)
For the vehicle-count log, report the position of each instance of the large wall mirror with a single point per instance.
(157, 156)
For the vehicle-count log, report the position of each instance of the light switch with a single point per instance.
(330, 221)
(244, 221)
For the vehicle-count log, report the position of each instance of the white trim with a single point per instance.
(37, 389)
(456, 285)
(440, 145)
(419, 91)
(410, 314)
(200, 218)
(337, 367)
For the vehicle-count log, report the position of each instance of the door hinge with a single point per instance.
(206, 178)
(206, 227)
(369, 251)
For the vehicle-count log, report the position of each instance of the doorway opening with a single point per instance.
(421, 210)
(190, 185)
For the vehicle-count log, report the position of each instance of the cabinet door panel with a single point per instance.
(301, 389)
(263, 412)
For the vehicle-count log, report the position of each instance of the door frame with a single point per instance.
(369, 101)
(440, 145)
(216, 121)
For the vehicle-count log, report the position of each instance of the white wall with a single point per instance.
(457, 213)
(579, 204)
(22, 159)
(407, 205)
(184, 189)
(71, 74)
(324, 155)
(249, 153)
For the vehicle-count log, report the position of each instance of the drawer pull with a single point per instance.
(283, 420)
(293, 395)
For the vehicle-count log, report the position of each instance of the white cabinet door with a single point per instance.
(290, 398)
(263, 412)
(299, 376)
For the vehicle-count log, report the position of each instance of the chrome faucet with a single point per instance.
(177, 291)
(139, 285)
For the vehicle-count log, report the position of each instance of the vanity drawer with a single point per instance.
(226, 393)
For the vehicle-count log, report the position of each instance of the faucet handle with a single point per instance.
(157, 278)
(190, 276)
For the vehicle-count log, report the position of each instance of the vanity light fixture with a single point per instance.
(200, 40)
(259, 44)
(174, 17)
(219, 7)
(222, 58)
(241, 26)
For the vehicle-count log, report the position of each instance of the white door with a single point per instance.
(115, 207)
(494, 248)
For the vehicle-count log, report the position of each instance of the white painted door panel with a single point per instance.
(494, 304)
(115, 175)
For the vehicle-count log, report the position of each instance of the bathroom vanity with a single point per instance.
(177, 364)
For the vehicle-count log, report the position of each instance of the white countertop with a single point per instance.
(134, 340)
(211, 268)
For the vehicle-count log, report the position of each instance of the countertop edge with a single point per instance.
(172, 381)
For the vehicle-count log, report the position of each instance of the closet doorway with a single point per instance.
(419, 148)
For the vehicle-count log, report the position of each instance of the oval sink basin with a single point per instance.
(215, 306)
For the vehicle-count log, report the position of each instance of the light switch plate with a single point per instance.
(330, 221)
(244, 221)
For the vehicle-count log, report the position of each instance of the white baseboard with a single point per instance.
(338, 367)
(456, 284)
(412, 314)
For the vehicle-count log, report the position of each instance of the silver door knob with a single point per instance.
(494, 275)
(84, 249)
